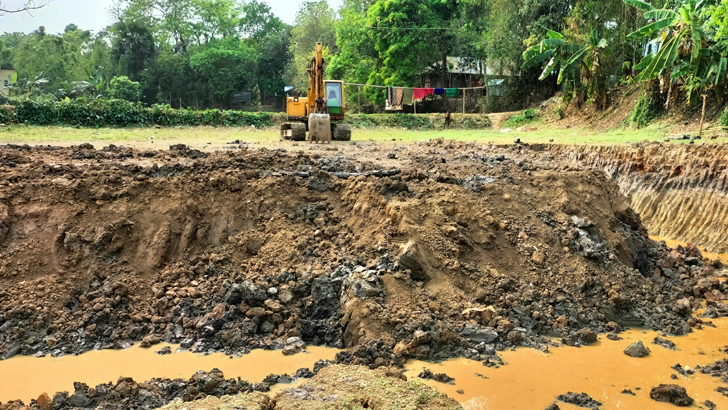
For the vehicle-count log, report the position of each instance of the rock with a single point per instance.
(682, 307)
(427, 374)
(664, 343)
(251, 294)
(710, 405)
(474, 334)
(255, 312)
(586, 335)
(579, 399)
(410, 258)
(553, 406)
(13, 349)
(671, 393)
(304, 373)
(538, 257)
(165, 350)
(628, 391)
(44, 402)
(420, 338)
(401, 349)
(150, 340)
(637, 349)
(514, 336)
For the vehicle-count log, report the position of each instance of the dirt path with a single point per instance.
(499, 118)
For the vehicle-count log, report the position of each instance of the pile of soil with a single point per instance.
(431, 250)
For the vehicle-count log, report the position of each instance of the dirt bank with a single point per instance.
(433, 250)
(679, 191)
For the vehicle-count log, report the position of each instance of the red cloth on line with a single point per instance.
(420, 93)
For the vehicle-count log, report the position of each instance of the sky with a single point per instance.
(94, 14)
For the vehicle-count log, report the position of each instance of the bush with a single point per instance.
(122, 113)
(647, 109)
(417, 121)
(723, 120)
(122, 88)
(521, 119)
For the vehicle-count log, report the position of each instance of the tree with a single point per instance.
(227, 66)
(132, 48)
(686, 51)
(124, 89)
(27, 7)
(410, 36)
(274, 58)
(315, 23)
(576, 61)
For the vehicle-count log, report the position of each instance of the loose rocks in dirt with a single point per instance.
(671, 393)
(290, 250)
(427, 374)
(579, 399)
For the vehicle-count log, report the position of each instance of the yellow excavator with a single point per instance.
(321, 112)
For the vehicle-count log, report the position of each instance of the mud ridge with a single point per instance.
(445, 249)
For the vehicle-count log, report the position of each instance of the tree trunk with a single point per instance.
(444, 70)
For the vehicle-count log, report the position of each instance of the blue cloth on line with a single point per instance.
(439, 91)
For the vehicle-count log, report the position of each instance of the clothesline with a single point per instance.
(411, 88)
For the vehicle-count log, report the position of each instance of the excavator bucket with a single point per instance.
(319, 128)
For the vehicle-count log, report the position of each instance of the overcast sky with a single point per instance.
(94, 14)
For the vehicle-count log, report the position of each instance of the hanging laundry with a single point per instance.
(420, 93)
(451, 92)
(394, 98)
(439, 91)
(407, 96)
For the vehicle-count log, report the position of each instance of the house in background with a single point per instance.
(6, 76)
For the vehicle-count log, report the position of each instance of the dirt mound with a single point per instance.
(680, 191)
(450, 249)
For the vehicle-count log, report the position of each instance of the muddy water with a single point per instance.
(706, 254)
(27, 377)
(531, 379)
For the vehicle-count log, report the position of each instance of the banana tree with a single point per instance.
(685, 54)
(576, 62)
(94, 86)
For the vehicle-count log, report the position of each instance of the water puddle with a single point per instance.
(26, 377)
(532, 379)
(706, 254)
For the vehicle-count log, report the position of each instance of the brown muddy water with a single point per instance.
(706, 253)
(530, 379)
(27, 377)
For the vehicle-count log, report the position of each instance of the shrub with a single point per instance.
(723, 120)
(647, 109)
(122, 88)
(521, 119)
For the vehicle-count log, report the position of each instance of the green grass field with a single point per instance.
(204, 136)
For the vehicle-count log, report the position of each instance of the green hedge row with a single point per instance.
(418, 121)
(121, 113)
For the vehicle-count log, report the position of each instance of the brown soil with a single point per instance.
(680, 191)
(432, 250)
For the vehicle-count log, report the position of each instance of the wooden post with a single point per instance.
(702, 118)
(415, 104)
(359, 105)
(464, 92)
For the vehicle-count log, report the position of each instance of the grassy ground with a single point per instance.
(156, 138)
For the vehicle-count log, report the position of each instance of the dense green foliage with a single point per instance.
(525, 117)
(210, 53)
(418, 122)
(123, 113)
